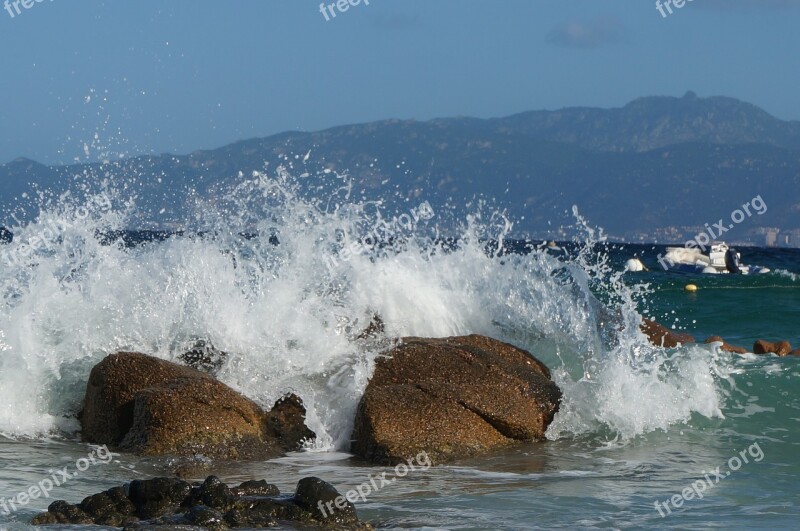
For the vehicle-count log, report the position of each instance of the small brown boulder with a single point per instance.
(151, 406)
(726, 347)
(452, 398)
(781, 348)
(661, 336)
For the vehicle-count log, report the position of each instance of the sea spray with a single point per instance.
(252, 275)
(630, 387)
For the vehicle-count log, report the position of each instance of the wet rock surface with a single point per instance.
(204, 357)
(170, 503)
(452, 398)
(781, 348)
(662, 336)
(726, 347)
(286, 421)
(150, 406)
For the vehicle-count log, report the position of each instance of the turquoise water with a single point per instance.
(739, 308)
(638, 425)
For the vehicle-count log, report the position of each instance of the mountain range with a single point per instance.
(656, 164)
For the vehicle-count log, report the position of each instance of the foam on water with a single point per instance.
(288, 305)
(787, 274)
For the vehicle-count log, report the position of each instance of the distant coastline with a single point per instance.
(656, 169)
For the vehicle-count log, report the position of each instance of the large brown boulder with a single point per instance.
(781, 348)
(151, 406)
(451, 398)
(661, 336)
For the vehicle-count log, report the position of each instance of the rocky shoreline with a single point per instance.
(448, 398)
(171, 503)
(662, 336)
(453, 397)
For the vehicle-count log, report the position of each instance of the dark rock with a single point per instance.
(169, 503)
(255, 488)
(154, 407)
(286, 421)
(781, 348)
(162, 524)
(109, 508)
(321, 499)
(204, 357)
(248, 510)
(5, 235)
(662, 336)
(206, 517)
(158, 496)
(215, 493)
(726, 347)
(246, 518)
(47, 518)
(374, 329)
(452, 398)
(61, 512)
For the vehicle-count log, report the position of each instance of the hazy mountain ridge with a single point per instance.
(654, 163)
(654, 122)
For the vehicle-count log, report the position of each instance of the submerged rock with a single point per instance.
(204, 357)
(726, 347)
(374, 329)
(151, 406)
(452, 398)
(662, 336)
(171, 503)
(781, 348)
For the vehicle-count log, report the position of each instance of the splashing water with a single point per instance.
(284, 277)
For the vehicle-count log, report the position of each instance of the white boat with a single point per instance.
(721, 260)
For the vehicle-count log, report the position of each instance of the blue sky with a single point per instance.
(87, 78)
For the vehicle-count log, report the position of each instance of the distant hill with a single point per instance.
(657, 162)
(656, 122)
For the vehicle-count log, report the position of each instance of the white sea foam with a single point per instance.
(787, 274)
(288, 313)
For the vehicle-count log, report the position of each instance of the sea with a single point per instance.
(283, 278)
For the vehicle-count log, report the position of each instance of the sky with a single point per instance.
(90, 79)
